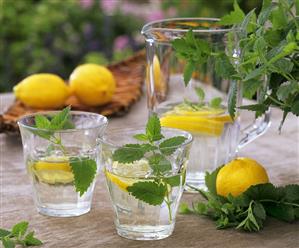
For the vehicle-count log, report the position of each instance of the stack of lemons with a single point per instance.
(92, 84)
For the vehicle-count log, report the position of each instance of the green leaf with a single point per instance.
(59, 120)
(251, 87)
(42, 122)
(278, 18)
(169, 146)
(141, 137)
(234, 17)
(286, 89)
(184, 208)
(30, 240)
(291, 193)
(84, 171)
(8, 243)
(255, 73)
(232, 99)
(129, 153)
(173, 181)
(3, 233)
(159, 164)
(149, 192)
(19, 229)
(280, 211)
(200, 93)
(153, 128)
(210, 180)
(188, 70)
(223, 66)
(295, 108)
(259, 210)
(264, 191)
(262, 108)
(216, 102)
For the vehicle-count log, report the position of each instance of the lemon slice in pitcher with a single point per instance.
(54, 172)
(207, 121)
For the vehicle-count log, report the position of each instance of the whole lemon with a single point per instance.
(238, 175)
(44, 90)
(93, 84)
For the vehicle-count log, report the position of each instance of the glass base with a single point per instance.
(145, 232)
(64, 212)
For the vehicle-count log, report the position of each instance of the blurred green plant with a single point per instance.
(55, 36)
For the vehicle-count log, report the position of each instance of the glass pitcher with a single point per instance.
(217, 137)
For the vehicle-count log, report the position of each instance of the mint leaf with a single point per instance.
(232, 99)
(30, 240)
(19, 229)
(3, 233)
(200, 94)
(129, 153)
(223, 66)
(153, 128)
(251, 87)
(173, 181)
(291, 193)
(168, 146)
(84, 171)
(210, 180)
(59, 120)
(8, 243)
(295, 108)
(188, 70)
(42, 122)
(159, 164)
(286, 89)
(280, 211)
(234, 17)
(184, 209)
(216, 102)
(141, 137)
(149, 192)
(259, 210)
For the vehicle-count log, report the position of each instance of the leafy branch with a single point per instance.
(18, 235)
(268, 60)
(156, 149)
(249, 210)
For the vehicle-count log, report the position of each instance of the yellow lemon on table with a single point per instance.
(238, 175)
(44, 90)
(53, 172)
(93, 84)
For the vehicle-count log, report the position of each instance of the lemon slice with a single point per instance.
(125, 174)
(53, 172)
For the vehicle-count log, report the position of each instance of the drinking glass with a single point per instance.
(133, 218)
(217, 137)
(50, 155)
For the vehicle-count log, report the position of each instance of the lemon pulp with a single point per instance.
(207, 121)
(53, 172)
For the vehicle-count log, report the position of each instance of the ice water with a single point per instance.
(54, 189)
(136, 219)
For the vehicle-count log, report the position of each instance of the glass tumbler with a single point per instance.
(52, 156)
(216, 136)
(135, 218)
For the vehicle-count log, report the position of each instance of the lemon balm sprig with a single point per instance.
(247, 210)
(83, 168)
(156, 149)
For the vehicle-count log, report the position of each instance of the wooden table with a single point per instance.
(278, 153)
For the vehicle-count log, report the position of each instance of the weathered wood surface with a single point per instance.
(278, 153)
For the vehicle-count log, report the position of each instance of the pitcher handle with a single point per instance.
(258, 127)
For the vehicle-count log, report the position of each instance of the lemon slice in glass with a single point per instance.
(58, 171)
(126, 174)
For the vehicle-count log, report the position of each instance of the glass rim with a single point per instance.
(73, 112)
(149, 26)
(141, 129)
